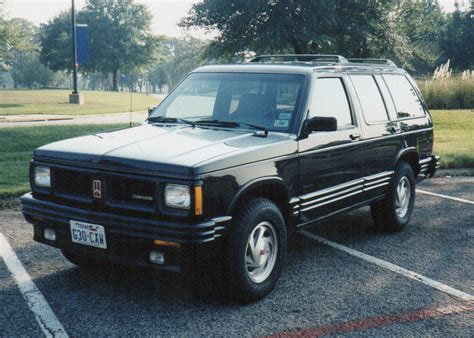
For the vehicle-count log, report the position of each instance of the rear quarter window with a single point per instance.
(405, 98)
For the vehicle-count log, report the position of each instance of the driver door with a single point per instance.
(330, 163)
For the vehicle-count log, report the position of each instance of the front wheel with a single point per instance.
(394, 211)
(256, 250)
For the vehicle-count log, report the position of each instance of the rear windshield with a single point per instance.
(266, 100)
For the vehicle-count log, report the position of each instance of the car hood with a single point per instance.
(167, 150)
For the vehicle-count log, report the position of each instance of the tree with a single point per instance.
(15, 35)
(457, 42)
(320, 26)
(56, 42)
(120, 38)
(27, 71)
(177, 58)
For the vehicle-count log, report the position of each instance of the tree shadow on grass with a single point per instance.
(11, 105)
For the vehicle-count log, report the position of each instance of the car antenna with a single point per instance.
(131, 99)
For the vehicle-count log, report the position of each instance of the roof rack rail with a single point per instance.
(307, 58)
(386, 62)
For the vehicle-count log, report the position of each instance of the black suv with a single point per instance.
(233, 161)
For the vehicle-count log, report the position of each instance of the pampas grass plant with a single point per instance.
(446, 90)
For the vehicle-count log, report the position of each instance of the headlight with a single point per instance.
(42, 177)
(177, 196)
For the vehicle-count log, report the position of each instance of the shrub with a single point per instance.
(447, 91)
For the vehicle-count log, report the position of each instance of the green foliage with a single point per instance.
(419, 24)
(16, 35)
(322, 26)
(457, 40)
(120, 38)
(178, 58)
(28, 72)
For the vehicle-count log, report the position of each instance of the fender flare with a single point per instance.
(252, 184)
(405, 151)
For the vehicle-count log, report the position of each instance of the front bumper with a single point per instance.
(129, 239)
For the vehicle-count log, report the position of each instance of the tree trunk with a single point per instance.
(114, 81)
(298, 47)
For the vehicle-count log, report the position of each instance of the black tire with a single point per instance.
(384, 212)
(81, 261)
(257, 212)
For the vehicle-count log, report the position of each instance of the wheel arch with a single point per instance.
(273, 188)
(411, 156)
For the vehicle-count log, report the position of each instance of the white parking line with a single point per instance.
(45, 317)
(392, 267)
(444, 196)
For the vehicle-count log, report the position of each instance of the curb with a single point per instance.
(454, 172)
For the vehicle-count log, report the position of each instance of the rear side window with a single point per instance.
(329, 99)
(373, 106)
(407, 102)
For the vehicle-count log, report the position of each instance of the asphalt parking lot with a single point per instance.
(341, 277)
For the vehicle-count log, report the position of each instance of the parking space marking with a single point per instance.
(45, 317)
(444, 196)
(378, 321)
(392, 267)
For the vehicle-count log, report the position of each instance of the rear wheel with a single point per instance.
(256, 251)
(394, 211)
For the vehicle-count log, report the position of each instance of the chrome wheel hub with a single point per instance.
(402, 202)
(261, 252)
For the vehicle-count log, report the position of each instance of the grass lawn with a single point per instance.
(15, 102)
(454, 137)
(454, 141)
(17, 145)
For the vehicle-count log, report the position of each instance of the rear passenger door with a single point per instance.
(331, 163)
(382, 136)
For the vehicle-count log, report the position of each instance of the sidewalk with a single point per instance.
(7, 121)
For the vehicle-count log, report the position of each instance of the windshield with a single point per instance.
(263, 100)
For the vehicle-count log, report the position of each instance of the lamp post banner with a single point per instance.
(82, 40)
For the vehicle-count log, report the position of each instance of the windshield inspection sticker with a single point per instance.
(281, 123)
(285, 116)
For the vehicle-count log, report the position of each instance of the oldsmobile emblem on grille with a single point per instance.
(97, 189)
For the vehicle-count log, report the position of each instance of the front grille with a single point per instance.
(119, 193)
(73, 183)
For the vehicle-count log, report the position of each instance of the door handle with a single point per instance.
(354, 136)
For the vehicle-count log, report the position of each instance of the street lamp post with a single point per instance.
(75, 97)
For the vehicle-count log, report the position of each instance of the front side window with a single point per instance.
(370, 99)
(329, 99)
(407, 102)
(264, 100)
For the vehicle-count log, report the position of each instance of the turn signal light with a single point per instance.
(198, 200)
(166, 243)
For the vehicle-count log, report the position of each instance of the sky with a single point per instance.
(166, 13)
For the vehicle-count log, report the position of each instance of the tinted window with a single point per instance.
(370, 99)
(404, 96)
(267, 100)
(329, 99)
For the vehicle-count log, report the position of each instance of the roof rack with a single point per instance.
(304, 58)
(385, 62)
(320, 58)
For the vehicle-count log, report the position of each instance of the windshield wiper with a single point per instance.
(164, 119)
(231, 124)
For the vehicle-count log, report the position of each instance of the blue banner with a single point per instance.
(82, 40)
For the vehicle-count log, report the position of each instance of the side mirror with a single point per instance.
(150, 110)
(320, 123)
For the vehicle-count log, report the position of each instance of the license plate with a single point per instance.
(88, 234)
